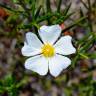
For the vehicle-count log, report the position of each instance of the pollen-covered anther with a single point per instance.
(48, 50)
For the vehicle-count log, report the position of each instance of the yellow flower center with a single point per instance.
(48, 50)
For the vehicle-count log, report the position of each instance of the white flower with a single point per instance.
(49, 54)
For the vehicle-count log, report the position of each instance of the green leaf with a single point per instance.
(74, 24)
(61, 19)
(48, 6)
(14, 1)
(89, 5)
(33, 8)
(48, 9)
(84, 4)
(38, 12)
(44, 17)
(8, 8)
(59, 6)
(84, 56)
(67, 9)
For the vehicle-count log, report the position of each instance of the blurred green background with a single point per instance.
(78, 18)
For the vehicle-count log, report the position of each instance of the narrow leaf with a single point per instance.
(67, 9)
(59, 6)
(48, 6)
(38, 11)
(75, 23)
(84, 4)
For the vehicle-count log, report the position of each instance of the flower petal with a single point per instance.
(49, 34)
(57, 64)
(64, 46)
(32, 45)
(37, 64)
(29, 50)
(32, 40)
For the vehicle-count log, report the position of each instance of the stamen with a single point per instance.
(48, 50)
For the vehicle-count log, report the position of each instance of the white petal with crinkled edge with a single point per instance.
(37, 64)
(29, 50)
(49, 34)
(32, 40)
(64, 46)
(57, 64)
